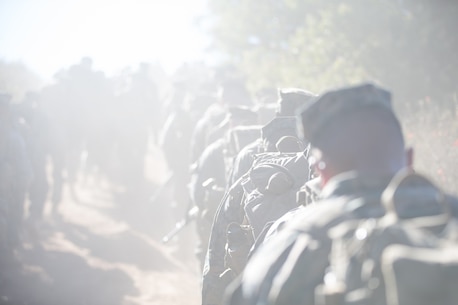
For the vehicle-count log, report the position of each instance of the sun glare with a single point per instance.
(114, 33)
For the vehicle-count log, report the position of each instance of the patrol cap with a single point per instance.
(278, 127)
(337, 103)
(291, 99)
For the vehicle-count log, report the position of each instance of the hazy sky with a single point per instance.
(50, 34)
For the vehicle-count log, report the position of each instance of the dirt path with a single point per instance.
(103, 247)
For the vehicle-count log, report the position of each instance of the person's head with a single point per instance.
(292, 99)
(277, 129)
(233, 92)
(354, 129)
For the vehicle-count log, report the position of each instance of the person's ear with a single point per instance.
(409, 157)
(320, 166)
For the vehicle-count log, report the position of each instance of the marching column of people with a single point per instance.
(247, 169)
(79, 126)
(297, 205)
(333, 252)
(264, 185)
(305, 200)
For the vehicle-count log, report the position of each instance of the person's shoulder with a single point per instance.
(296, 236)
(280, 223)
(318, 215)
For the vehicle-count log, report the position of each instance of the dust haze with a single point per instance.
(100, 133)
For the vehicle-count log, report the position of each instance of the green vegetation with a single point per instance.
(408, 46)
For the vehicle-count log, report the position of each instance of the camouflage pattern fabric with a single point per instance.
(289, 268)
(246, 195)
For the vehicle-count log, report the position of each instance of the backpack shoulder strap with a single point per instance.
(414, 198)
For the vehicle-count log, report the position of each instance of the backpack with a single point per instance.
(409, 256)
(271, 186)
(269, 191)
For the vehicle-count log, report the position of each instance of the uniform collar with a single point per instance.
(354, 183)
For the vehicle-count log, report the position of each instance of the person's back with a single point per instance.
(358, 148)
(209, 178)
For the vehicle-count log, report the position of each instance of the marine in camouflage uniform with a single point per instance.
(36, 138)
(289, 100)
(211, 127)
(175, 143)
(231, 209)
(358, 147)
(209, 178)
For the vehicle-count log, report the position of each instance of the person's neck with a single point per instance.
(351, 181)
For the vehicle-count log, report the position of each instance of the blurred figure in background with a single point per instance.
(175, 142)
(37, 139)
(15, 174)
(211, 173)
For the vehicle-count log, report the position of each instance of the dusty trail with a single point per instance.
(103, 247)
